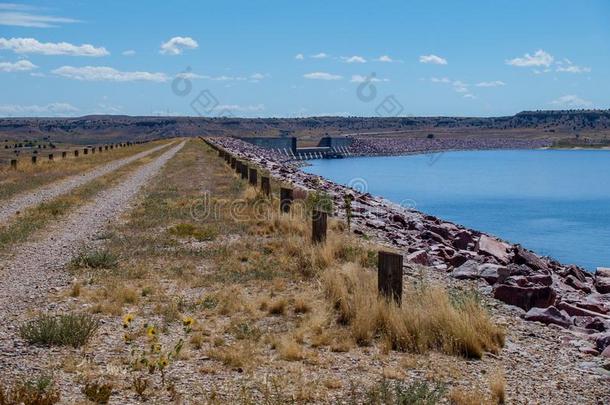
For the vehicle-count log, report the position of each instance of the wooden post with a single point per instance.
(99, 149)
(105, 147)
(237, 167)
(266, 185)
(389, 276)
(233, 162)
(33, 160)
(318, 226)
(252, 176)
(244, 171)
(64, 154)
(85, 151)
(50, 156)
(93, 150)
(285, 199)
(76, 153)
(14, 164)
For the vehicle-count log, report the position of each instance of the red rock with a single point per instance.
(525, 297)
(493, 247)
(462, 239)
(528, 258)
(602, 272)
(577, 284)
(593, 305)
(550, 315)
(540, 279)
(493, 273)
(606, 353)
(467, 271)
(574, 310)
(419, 257)
(602, 280)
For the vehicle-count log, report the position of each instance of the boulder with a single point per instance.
(577, 284)
(467, 271)
(602, 280)
(602, 341)
(418, 257)
(550, 315)
(462, 239)
(606, 353)
(525, 297)
(493, 273)
(528, 258)
(540, 279)
(493, 247)
(576, 311)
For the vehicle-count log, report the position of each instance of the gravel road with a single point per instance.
(36, 268)
(50, 191)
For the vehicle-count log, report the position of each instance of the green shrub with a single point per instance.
(60, 330)
(401, 393)
(40, 391)
(319, 200)
(184, 230)
(98, 259)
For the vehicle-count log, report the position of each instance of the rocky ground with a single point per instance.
(537, 288)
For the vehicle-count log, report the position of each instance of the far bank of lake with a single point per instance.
(555, 202)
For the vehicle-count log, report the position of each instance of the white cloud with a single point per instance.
(253, 78)
(440, 80)
(31, 45)
(353, 59)
(471, 96)
(299, 56)
(20, 15)
(104, 73)
(190, 75)
(177, 45)
(320, 55)
(53, 109)
(236, 107)
(20, 66)
(572, 101)
(437, 60)
(495, 83)
(129, 52)
(385, 58)
(362, 79)
(540, 58)
(566, 66)
(460, 86)
(322, 76)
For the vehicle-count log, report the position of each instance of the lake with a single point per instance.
(554, 202)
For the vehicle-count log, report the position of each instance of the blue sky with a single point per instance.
(292, 59)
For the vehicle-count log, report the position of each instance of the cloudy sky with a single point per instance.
(280, 58)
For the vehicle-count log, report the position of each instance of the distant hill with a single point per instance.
(107, 128)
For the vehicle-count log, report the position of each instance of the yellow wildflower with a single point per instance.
(163, 362)
(151, 332)
(127, 319)
(188, 321)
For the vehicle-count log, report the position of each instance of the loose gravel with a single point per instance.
(53, 190)
(35, 269)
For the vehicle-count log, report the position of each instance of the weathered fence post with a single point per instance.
(252, 176)
(105, 147)
(99, 149)
(50, 156)
(318, 226)
(237, 167)
(85, 151)
(266, 185)
(285, 199)
(76, 153)
(233, 162)
(389, 276)
(64, 154)
(244, 171)
(93, 150)
(33, 160)
(14, 164)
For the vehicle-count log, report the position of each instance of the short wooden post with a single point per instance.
(33, 160)
(266, 185)
(252, 176)
(285, 199)
(389, 276)
(14, 164)
(50, 156)
(318, 226)
(85, 151)
(244, 171)
(93, 150)
(64, 154)
(99, 149)
(76, 153)
(219, 153)
(237, 167)
(233, 162)
(105, 147)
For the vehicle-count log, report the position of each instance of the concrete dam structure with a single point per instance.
(328, 148)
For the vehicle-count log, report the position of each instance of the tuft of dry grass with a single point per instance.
(278, 307)
(289, 349)
(459, 396)
(429, 318)
(238, 355)
(497, 384)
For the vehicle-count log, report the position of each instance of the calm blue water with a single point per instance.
(556, 203)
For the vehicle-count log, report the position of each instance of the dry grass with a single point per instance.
(238, 355)
(429, 319)
(288, 349)
(497, 385)
(460, 396)
(29, 176)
